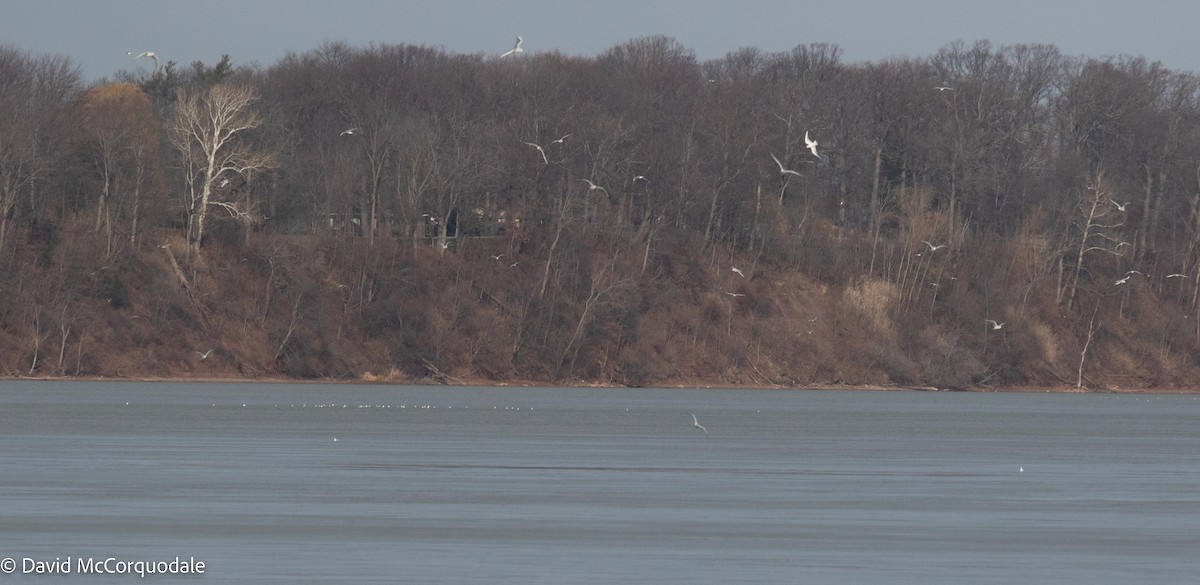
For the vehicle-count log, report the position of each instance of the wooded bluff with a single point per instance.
(986, 217)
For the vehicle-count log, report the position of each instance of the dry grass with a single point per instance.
(874, 301)
(344, 308)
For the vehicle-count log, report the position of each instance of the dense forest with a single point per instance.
(985, 217)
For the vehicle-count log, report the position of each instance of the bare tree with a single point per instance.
(121, 131)
(32, 92)
(209, 131)
(1099, 218)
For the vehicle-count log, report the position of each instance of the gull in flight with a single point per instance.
(1177, 275)
(1120, 206)
(637, 178)
(560, 140)
(592, 186)
(735, 294)
(516, 48)
(497, 257)
(811, 144)
(350, 131)
(739, 272)
(149, 54)
(994, 324)
(933, 248)
(696, 425)
(1127, 276)
(944, 88)
(782, 170)
(540, 151)
(204, 355)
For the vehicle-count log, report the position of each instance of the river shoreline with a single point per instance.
(677, 384)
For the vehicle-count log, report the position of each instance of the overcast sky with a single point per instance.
(97, 34)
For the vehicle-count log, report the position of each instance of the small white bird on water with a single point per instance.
(994, 324)
(696, 425)
(516, 48)
(811, 144)
(782, 170)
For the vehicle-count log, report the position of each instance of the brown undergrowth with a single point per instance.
(388, 310)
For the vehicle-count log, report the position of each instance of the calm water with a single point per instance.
(526, 486)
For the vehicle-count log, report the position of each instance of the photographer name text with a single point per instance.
(101, 566)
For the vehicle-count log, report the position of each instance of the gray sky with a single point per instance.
(97, 34)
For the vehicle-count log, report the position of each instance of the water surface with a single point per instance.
(563, 485)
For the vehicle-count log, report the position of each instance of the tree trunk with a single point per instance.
(1083, 354)
(550, 257)
(875, 209)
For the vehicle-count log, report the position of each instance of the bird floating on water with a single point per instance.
(516, 48)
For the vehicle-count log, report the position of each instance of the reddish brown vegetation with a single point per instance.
(1053, 195)
(336, 307)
